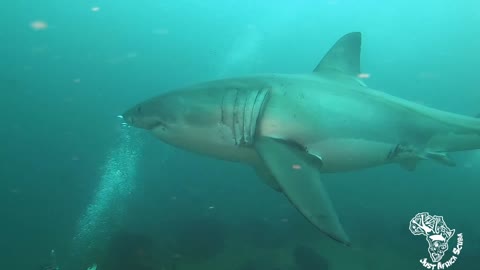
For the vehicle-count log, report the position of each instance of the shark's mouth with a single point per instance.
(157, 124)
(241, 109)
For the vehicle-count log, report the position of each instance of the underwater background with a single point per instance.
(74, 180)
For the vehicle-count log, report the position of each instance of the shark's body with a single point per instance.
(291, 128)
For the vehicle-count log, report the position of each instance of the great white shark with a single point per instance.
(292, 128)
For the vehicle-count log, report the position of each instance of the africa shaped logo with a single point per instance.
(437, 234)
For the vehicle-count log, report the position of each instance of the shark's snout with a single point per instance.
(129, 121)
(134, 117)
(128, 117)
(140, 118)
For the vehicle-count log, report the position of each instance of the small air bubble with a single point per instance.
(363, 75)
(39, 25)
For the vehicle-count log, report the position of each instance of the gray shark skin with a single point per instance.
(292, 128)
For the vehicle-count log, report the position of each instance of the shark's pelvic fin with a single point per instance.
(408, 156)
(441, 158)
(343, 57)
(297, 174)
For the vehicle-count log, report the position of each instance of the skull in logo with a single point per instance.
(437, 246)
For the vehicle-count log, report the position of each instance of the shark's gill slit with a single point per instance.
(240, 112)
(238, 117)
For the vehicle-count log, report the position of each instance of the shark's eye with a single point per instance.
(139, 109)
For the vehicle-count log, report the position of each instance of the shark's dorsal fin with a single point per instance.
(343, 57)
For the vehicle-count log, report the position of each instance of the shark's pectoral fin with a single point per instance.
(297, 175)
(268, 178)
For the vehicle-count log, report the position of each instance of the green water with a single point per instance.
(73, 179)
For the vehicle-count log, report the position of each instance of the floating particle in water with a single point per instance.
(39, 49)
(363, 75)
(468, 165)
(296, 167)
(160, 31)
(132, 55)
(123, 58)
(426, 75)
(39, 25)
(14, 190)
(95, 9)
(76, 80)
